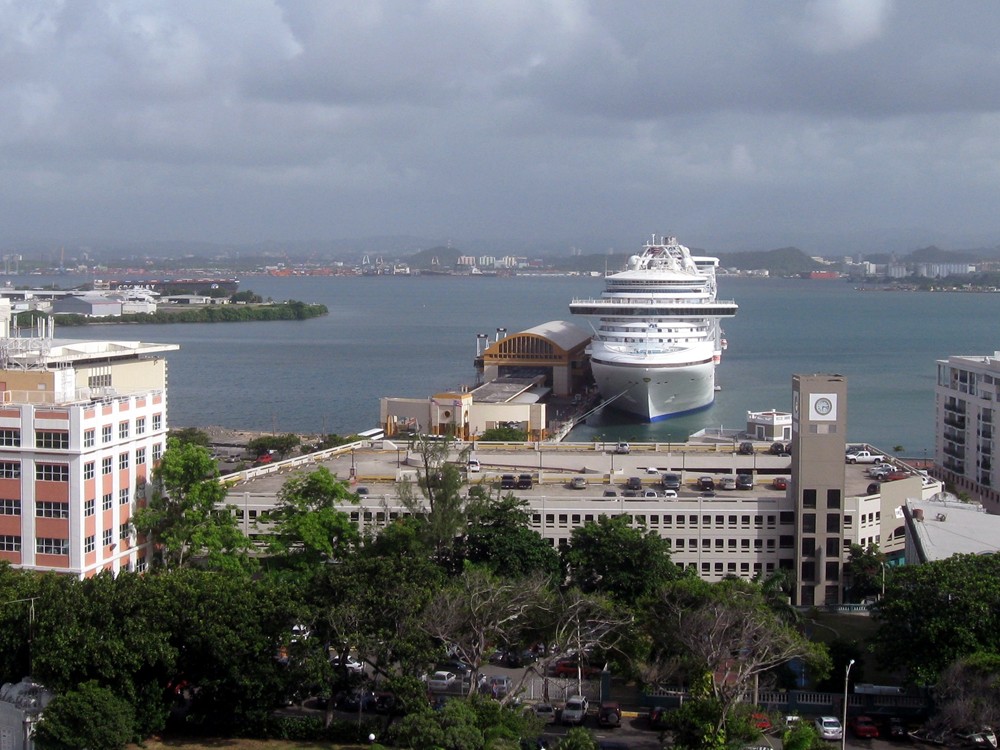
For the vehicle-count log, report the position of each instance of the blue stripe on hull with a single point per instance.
(682, 413)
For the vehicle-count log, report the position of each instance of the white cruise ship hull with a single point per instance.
(655, 392)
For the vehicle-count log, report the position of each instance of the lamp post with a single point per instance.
(843, 728)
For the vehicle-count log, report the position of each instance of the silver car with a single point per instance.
(829, 728)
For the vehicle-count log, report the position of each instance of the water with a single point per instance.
(412, 337)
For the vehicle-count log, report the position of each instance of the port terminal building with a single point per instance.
(519, 377)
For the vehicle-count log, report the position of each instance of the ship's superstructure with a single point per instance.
(658, 336)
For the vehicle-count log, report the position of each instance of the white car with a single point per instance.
(670, 493)
(473, 467)
(545, 711)
(352, 665)
(441, 680)
(829, 728)
(575, 710)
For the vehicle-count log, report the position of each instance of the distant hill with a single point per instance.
(784, 260)
(446, 258)
(934, 254)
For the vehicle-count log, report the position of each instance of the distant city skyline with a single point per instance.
(741, 125)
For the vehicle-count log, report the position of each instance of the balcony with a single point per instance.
(955, 407)
(955, 437)
(956, 422)
(955, 465)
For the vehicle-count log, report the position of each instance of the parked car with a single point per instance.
(610, 493)
(649, 494)
(544, 711)
(623, 448)
(355, 700)
(761, 721)
(728, 483)
(829, 728)
(894, 476)
(578, 483)
(777, 449)
(745, 449)
(575, 710)
(652, 470)
(610, 714)
(473, 466)
(524, 481)
(508, 482)
(457, 666)
(670, 493)
(863, 727)
(671, 481)
(780, 483)
(441, 680)
(352, 665)
(567, 667)
(706, 484)
(744, 481)
(633, 483)
(896, 729)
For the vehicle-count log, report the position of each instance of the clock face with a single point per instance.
(822, 407)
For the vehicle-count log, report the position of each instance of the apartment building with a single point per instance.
(81, 425)
(966, 413)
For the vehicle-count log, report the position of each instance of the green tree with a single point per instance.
(943, 611)
(307, 527)
(611, 557)
(498, 536)
(578, 738)
(90, 717)
(436, 502)
(185, 516)
(967, 694)
(246, 296)
(865, 571)
(191, 435)
(504, 435)
(283, 445)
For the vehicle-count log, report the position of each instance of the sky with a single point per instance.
(831, 124)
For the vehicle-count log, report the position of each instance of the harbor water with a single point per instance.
(415, 336)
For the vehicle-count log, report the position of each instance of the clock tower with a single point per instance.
(819, 437)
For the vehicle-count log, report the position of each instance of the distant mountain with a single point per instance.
(441, 257)
(781, 261)
(934, 254)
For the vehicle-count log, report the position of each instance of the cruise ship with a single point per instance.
(658, 336)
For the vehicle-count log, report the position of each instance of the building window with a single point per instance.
(107, 465)
(10, 438)
(52, 439)
(10, 543)
(157, 452)
(122, 461)
(107, 501)
(832, 547)
(107, 537)
(49, 509)
(99, 381)
(124, 496)
(88, 438)
(106, 435)
(88, 470)
(808, 498)
(833, 524)
(140, 456)
(10, 469)
(10, 507)
(123, 430)
(123, 530)
(157, 422)
(833, 499)
(140, 425)
(47, 546)
(52, 472)
(140, 565)
(90, 543)
(88, 507)
(809, 523)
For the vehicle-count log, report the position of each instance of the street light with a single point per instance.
(843, 728)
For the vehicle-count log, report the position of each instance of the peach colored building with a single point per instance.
(81, 425)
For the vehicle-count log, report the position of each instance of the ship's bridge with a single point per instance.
(556, 349)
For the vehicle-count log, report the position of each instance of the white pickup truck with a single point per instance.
(864, 457)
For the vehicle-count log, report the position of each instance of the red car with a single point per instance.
(780, 483)
(567, 668)
(863, 727)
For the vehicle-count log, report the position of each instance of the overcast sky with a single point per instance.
(734, 125)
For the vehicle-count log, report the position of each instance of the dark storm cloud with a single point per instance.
(725, 122)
